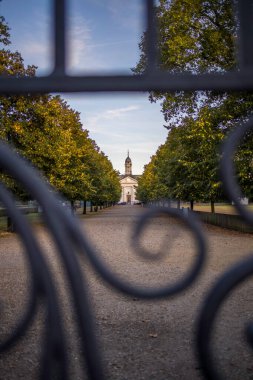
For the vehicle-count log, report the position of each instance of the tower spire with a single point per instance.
(128, 165)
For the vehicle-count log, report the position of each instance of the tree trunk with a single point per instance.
(178, 203)
(212, 207)
(91, 207)
(10, 225)
(72, 206)
(84, 207)
(191, 203)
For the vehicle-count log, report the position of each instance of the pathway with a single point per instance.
(139, 339)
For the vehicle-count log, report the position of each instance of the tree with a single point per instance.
(194, 37)
(193, 159)
(152, 184)
(11, 106)
(186, 166)
(46, 131)
(104, 179)
(53, 140)
(199, 37)
(146, 183)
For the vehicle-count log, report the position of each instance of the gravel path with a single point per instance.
(139, 339)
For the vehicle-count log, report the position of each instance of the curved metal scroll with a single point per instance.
(62, 225)
(66, 231)
(69, 238)
(234, 276)
(228, 281)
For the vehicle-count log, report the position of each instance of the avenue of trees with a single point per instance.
(47, 132)
(197, 37)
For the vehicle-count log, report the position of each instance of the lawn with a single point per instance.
(33, 218)
(220, 208)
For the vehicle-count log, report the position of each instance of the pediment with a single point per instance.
(129, 180)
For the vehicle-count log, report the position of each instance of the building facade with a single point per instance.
(129, 183)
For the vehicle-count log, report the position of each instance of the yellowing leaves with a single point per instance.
(17, 128)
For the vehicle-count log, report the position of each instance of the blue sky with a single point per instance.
(103, 38)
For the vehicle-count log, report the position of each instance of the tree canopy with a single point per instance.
(194, 37)
(47, 132)
(198, 37)
(186, 166)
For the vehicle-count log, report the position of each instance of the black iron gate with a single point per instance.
(63, 225)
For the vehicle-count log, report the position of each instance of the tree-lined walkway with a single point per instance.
(139, 339)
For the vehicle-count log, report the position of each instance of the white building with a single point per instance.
(129, 183)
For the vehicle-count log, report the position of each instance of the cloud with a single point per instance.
(85, 53)
(35, 46)
(79, 44)
(140, 154)
(110, 43)
(94, 122)
(36, 50)
(118, 112)
(146, 147)
(90, 47)
(108, 134)
(123, 13)
(82, 55)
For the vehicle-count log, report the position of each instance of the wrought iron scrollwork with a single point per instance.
(228, 170)
(194, 226)
(214, 300)
(70, 239)
(61, 224)
(43, 285)
(235, 275)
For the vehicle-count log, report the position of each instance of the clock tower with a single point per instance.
(129, 183)
(128, 165)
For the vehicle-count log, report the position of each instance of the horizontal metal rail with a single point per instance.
(128, 83)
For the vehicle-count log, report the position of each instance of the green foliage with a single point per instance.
(186, 166)
(105, 180)
(194, 36)
(147, 183)
(4, 32)
(244, 165)
(197, 36)
(193, 159)
(152, 184)
(48, 133)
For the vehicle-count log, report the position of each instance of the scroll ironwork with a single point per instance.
(61, 224)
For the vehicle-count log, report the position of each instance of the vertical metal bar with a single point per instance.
(151, 37)
(245, 14)
(59, 37)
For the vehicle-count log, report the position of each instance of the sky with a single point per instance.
(103, 38)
